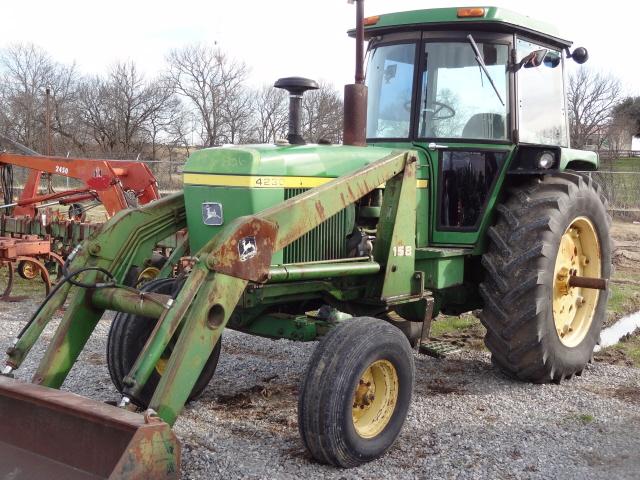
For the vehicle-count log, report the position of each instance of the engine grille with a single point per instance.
(325, 242)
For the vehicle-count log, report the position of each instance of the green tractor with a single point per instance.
(455, 190)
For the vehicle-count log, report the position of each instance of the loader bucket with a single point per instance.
(47, 433)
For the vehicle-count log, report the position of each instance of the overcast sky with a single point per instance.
(282, 37)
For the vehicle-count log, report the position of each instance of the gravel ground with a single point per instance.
(466, 421)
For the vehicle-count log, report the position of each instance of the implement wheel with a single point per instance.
(356, 392)
(127, 336)
(28, 269)
(539, 327)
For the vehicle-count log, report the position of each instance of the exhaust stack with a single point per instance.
(296, 86)
(355, 95)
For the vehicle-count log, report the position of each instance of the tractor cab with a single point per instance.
(479, 92)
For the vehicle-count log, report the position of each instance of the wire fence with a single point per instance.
(617, 154)
(622, 189)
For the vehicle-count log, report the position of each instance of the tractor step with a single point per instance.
(438, 349)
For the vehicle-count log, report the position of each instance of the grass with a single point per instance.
(448, 324)
(629, 164)
(22, 287)
(585, 418)
(622, 298)
(630, 348)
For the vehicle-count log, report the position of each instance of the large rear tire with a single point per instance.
(127, 336)
(356, 392)
(538, 328)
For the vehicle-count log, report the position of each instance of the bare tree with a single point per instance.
(236, 112)
(270, 115)
(322, 114)
(65, 110)
(591, 98)
(26, 72)
(120, 110)
(212, 85)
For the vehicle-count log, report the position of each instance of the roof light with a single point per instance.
(371, 20)
(468, 12)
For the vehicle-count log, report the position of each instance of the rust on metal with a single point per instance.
(247, 252)
(47, 433)
(588, 282)
(5, 296)
(26, 250)
(109, 178)
(320, 211)
(355, 114)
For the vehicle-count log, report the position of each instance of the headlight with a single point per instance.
(546, 160)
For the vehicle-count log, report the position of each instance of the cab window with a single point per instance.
(540, 94)
(458, 99)
(390, 72)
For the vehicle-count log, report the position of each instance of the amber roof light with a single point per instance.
(371, 20)
(468, 12)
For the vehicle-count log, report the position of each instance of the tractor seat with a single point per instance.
(485, 125)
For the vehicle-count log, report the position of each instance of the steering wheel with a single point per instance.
(436, 108)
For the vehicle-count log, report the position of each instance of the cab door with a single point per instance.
(467, 179)
(463, 123)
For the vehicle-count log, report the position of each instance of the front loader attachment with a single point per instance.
(47, 433)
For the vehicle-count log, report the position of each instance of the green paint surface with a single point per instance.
(498, 18)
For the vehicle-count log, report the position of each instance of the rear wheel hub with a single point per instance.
(375, 398)
(573, 307)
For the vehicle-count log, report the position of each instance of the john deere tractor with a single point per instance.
(455, 189)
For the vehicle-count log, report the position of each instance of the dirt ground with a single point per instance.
(626, 253)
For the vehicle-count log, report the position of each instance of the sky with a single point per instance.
(281, 38)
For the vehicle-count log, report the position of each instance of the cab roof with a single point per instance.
(493, 19)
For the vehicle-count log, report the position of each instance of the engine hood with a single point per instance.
(271, 160)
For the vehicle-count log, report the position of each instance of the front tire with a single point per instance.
(538, 328)
(356, 392)
(127, 336)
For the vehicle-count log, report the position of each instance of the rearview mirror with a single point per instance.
(534, 59)
(580, 55)
(552, 59)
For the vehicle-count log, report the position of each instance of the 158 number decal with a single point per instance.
(403, 251)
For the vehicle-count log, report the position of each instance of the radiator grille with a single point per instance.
(325, 242)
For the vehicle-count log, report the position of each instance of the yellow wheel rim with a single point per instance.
(147, 275)
(374, 398)
(573, 307)
(29, 270)
(161, 365)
